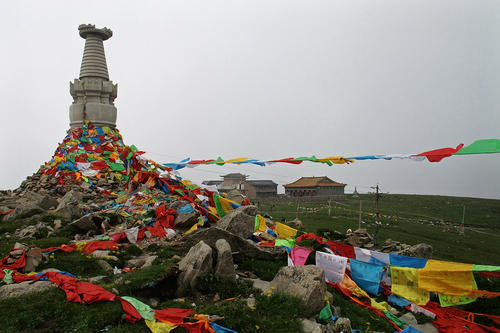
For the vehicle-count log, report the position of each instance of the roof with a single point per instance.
(313, 182)
(235, 175)
(212, 182)
(258, 183)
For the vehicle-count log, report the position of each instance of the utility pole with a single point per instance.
(329, 207)
(462, 227)
(377, 213)
(359, 222)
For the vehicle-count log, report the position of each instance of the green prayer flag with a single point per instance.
(8, 276)
(325, 314)
(116, 166)
(396, 320)
(144, 310)
(289, 242)
(485, 268)
(488, 146)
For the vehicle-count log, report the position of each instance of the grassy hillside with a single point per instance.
(410, 219)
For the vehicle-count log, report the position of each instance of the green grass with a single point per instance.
(49, 311)
(264, 269)
(75, 263)
(477, 245)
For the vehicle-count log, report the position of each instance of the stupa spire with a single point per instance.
(93, 93)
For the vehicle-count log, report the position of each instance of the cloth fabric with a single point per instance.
(144, 310)
(325, 314)
(224, 205)
(437, 155)
(380, 256)
(411, 329)
(367, 276)
(397, 300)
(299, 255)
(173, 315)
(219, 329)
(405, 284)
(289, 243)
(485, 268)
(186, 209)
(159, 327)
(76, 290)
(488, 146)
(132, 234)
(448, 278)
(283, 231)
(131, 314)
(260, 224)
(404, 261)
(165, 217)
(7, 278)
(363, 255)
(19, 263)
(334, 266)
(99, 245)
(341, 249)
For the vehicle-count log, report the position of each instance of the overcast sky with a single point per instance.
(268, 80)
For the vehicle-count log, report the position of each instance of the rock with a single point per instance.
(186, 220)
(240, 221)
(90, 222)
(296, 223)
(103, 254)
(97, 278)
(142, 261)
(18, 289)
(105, 266)
(48, 202)
(262, 285)
(33, 259)
(359, 238)
(225, 265)
(246, 248)
(57, 224)
(421, 250)
(310, 326)
(197, 262)
(410, 319)
(342, 325)
(68, 205)
(306, 282)
(25, 207)
(251, 301)
(148, 262)
(18, 245)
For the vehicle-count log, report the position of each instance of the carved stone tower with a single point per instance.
(93, 93)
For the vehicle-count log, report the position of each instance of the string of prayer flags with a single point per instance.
(448, 278)
(334, 266)
(367, 276)
(488, 146)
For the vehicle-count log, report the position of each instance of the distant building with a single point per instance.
(355, 194)
(253, 189)
(311, 187)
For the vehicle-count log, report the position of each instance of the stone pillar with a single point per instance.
(93, 93)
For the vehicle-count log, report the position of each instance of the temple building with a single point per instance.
(253, 189)
(315, 187)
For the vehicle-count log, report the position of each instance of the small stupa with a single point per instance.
(93, 93)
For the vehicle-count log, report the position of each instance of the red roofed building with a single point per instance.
(320, 187)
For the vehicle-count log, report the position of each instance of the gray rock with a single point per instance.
(343, 325)
(410, 319)
(240, 221)
(97, 278)
(88, 222)
(310, 326)
(23, 208)
(225, 265)
(421, 250)
(306, 282)
(186, 220)
(18, 289)
(262, 285)
(68, 205)
(33, 259)
(197, 262)
(105, 266)
(245, 247)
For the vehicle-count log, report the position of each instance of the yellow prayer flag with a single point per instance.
(405, 284)
(159, 327)
(445, 277)
(284, 231)
(260, 223)
(236, 160)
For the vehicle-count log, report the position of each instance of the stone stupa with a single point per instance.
(93, 93)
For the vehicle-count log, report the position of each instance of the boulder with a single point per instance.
(33, 259)
(68, 205)
(87, 223)
(306, 282)
(18, 289)
(410, 319)
(296, 223)
(240, 221)
(225, 266)
(310, 326)
(262, 285)
(421, 250)
(142, 261)
(342, 325)
(196, 263)
(359, 238)
(246, 248)
(24, 207)
(186, 220)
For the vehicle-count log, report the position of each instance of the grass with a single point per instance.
(475, 246)
(264, 269)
